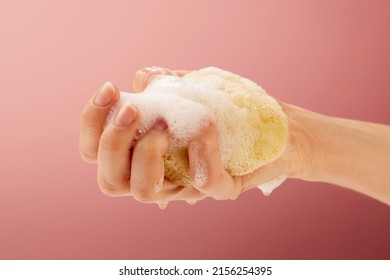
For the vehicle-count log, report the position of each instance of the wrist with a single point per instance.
(305, 153)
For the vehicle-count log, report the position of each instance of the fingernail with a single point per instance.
(160, 125)
(145, 75)
(148, 74)
(104, 95)
(158, 70)
(125, 116)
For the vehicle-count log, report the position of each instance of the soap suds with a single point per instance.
(200, 177)
(252, 127)
(268, 187)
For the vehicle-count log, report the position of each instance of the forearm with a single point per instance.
(348, 153)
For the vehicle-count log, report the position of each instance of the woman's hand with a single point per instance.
(138, 170)
(124, 169)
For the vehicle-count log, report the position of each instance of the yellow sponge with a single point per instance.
(251, 125)
(255, 127)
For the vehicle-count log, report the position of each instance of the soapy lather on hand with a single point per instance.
(251, 125)
(210, 133)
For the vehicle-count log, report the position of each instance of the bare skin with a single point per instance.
(348, 153)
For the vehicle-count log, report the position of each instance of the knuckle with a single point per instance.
(147, 146)
(86, 117)
(208, 145)
(144, 196)
(91, 123)
(153, 144)
(109, 188)
(108, 141)
(88, 158)
(141, 190)
(222, 187)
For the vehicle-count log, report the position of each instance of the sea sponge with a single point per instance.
(251, 125)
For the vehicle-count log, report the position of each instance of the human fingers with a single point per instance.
(147, 182)
(93, 118)
(172, 192)
(206, 170)
(147, 168)
(190, 195)
(145, 75)
(114, 154)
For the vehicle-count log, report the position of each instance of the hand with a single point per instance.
(220, 185)
(138, 170)
(123, 169)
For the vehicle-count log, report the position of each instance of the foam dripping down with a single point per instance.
(270, 186)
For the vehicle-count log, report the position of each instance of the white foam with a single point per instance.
(184, 104)
(213, 95)
(268, 187)
(200, 176)
(181, 115)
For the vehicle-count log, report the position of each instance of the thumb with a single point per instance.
(145, 75)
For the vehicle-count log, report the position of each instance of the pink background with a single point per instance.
(330, 56)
